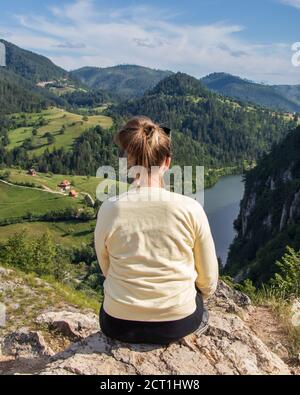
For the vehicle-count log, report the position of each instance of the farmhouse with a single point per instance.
(65, 185)
(73, 193)
(32, 172)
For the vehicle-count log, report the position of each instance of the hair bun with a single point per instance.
(149, 129)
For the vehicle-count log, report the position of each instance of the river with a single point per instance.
(221, 204)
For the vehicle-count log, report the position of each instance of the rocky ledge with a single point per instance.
(228, 347)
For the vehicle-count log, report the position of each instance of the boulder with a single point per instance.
(25, 343)
(227, 348)
(74, 325)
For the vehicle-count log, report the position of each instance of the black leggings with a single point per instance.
(153, 332)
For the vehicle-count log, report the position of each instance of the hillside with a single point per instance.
(31, 66)
(208, 129)
(66, 340)
(18, 94)
(17, 202)
(53, 127)
(277, 97)
(270, 213)
(126, 81)
(83, 184)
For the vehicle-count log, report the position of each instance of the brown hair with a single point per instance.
(145, 142)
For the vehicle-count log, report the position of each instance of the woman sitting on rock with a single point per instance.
(154, 247)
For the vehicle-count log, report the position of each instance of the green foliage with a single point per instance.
(93, 98)
(30, 65)
(247, 288)
(39, 255)
(269, 218)
(126, 81)
(18, 94)
(276, 97)
(207, 130)
(286, 282)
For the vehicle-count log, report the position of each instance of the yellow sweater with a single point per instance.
(153, 246)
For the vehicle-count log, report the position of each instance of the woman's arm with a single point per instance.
(100, 241)
(206, 261)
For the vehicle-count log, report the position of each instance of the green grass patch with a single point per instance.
(56, 119)
(83, 184)
(68, 234)
(16, 202)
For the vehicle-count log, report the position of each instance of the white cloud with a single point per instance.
(293, 3)
(79, 34)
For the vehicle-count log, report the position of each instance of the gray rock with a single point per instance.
(228, 347)
(70, 324)
(26, 344)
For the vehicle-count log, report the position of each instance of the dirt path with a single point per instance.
(43, 189)
(264, 323)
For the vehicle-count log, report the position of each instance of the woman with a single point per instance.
(154, 247)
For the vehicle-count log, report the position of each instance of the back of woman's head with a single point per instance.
(145, 142)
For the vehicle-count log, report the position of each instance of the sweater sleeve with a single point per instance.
(100, 240)
(206, 261)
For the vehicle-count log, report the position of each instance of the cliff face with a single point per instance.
(269, 216)
(67, 340)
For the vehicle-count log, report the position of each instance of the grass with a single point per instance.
(84, 184)
(69, 234)
(283, 311)
(33, 296)
(56, 118)
(16, 202)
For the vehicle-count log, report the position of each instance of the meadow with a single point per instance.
(82, 184)
(39, 195)
(63, 126)
(69, 234)
(16, 201)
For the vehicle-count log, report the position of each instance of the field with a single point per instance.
(51, 122)
(16, 202)
(69, 233)
(83, 184)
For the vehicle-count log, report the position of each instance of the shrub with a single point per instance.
(39, 255)
(286, 283)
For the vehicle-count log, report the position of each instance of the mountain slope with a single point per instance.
(30, 65)
(19, 95)
(225, 132)
(125, 80)
(277, 97)
(270, 213)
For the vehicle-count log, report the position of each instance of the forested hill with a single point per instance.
(30, 65)
(126, 81)
(226, 132)
(19, 95)
(269, 218)
(277, 97)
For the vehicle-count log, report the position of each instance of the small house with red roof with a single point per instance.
(32, 172)
(65, 185)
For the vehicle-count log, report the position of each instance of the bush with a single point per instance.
(39, 255)
(286, 283)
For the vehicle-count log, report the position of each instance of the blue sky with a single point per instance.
(252, 39)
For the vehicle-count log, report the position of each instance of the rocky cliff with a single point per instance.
(62, 339)
(269, 217)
